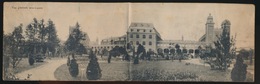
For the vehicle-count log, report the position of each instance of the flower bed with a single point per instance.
(162, 75)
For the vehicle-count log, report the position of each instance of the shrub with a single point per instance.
(31, 60)
(239, 71)
(73, 68)
(93, 70)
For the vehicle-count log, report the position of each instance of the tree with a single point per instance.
(33, 34)
(238, 73)
(16, 47)
(93, 70)
(41, 36)
(179, 53)
(245, 53)
(177, 46)
(52, 37)
(166, 52)
(139, 53)
(224, 50)
(6, 54)
(13, 47)
(73, 43)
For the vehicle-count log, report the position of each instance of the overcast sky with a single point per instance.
(103, 20)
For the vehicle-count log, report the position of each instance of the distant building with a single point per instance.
(147, 35)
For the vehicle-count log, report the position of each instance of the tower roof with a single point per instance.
(210, 19)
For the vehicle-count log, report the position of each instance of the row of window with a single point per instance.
(120, 39)
(102, 47)
(144, 43)
(138, 30)
(137, 36)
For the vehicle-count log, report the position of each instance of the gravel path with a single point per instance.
(44, 72)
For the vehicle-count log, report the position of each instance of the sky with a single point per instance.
(104, 20)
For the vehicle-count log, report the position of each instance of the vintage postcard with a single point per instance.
(72, 41)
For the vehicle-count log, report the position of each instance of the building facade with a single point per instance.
(143, 33)
(147, 35)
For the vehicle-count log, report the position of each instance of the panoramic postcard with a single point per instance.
(72, 41)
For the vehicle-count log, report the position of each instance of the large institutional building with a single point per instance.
(147, 35)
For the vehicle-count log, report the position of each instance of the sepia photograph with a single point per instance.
(83, 41)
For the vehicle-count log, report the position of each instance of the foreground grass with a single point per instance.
(169, 68)
(110, 72)
(154, 70)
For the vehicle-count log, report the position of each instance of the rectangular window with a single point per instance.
(144, 36)
(150, 43)
(138, 30)
(131, 36)
(137, 36)
(132, 30)
(143, 42)
(144, 30)
(150, 36)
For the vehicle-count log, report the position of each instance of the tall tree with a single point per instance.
(52, 37)
(224, 50)
(73, 43)
(32, 32)
(13, 45)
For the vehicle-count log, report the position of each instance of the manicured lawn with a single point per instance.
(120, 71)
